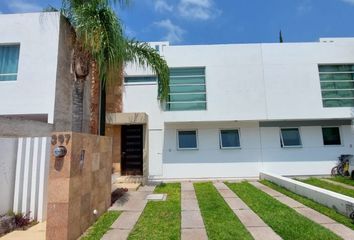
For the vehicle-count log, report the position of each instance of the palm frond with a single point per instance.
(143, 54)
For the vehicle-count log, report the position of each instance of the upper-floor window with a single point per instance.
(9, 55)
(187, 89)
(337, 85)
(290, 137)
(140, 79)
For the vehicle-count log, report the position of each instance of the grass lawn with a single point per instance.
(101, 226)
(283, 220)
(161, 220)
(329, 186)
(345, 180)
(312, 204)
(220, 221)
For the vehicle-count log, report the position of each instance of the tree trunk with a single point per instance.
(78, 105)
(81, 68)
(95, 99)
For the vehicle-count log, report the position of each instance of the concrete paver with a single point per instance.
(194, 234)
(126, 220)
(339, 229)
(338, 183)
(236, 203)
(290, 202)
(37, 232)
(314, 215)
(132, 204)
(192, 219)
(116, 234)
(189, 195)
(263, 233)
(249, 218)
(226, 193)
(192, 225)
(187, 186)
(190, 205)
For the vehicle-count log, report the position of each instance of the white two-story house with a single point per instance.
(237, 109)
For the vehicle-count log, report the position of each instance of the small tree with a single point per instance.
(100, 38)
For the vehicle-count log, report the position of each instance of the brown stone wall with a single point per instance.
(114, 131)
(78, 185)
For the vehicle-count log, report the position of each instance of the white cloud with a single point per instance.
(304, 7)
(174, 32)
(162, 6)
(348, 1)
(21, 6)
(198, 9)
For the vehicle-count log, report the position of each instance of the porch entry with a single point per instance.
(132, 150)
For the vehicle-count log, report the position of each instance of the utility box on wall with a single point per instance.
(79, 186)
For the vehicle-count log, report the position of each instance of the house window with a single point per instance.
(187, 139)
(337, 85)
(229, 139)
(140, 79)
(187, 89)
(9, 55)
(290, 137)
(331, 136)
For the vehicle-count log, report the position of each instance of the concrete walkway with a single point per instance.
(132, 205)
(254, 224)
(192, 226)
(338, 183)
(339, 229)
(37, 232)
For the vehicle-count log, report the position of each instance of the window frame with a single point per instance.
(337, 98)
(187, 130)
(282, 145)
(18, 44)
(340, 136)
(169, 102)
(140, 83)
(229, 129)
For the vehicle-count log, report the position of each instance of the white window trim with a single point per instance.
(220, 138)
(340, 136)
(282, 141)
(187, 149)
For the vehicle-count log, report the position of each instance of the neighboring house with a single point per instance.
(35, 75)
(237, 109)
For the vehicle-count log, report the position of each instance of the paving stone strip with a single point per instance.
(338, 183)
(339, 229)
(192, 222)
(253, 223)
(132, 205)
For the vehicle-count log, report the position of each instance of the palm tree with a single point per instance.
(102, 49)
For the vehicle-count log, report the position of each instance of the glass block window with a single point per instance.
(337, 85)
(140, 79)
(229, 139)
(187, 89)
(331, 136)
(290, 137)
(187, 139)
(9, 55)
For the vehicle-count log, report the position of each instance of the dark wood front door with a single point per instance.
(132, 150)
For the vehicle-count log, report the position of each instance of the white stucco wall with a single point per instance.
(34, 90)
(8, 155)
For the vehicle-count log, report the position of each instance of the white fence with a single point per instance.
(27, 175)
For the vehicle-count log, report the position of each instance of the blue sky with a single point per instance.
(224, 21)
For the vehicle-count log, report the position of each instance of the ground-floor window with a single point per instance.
(187, 139)
(290, 137)
(229, 138)
(331, 136)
